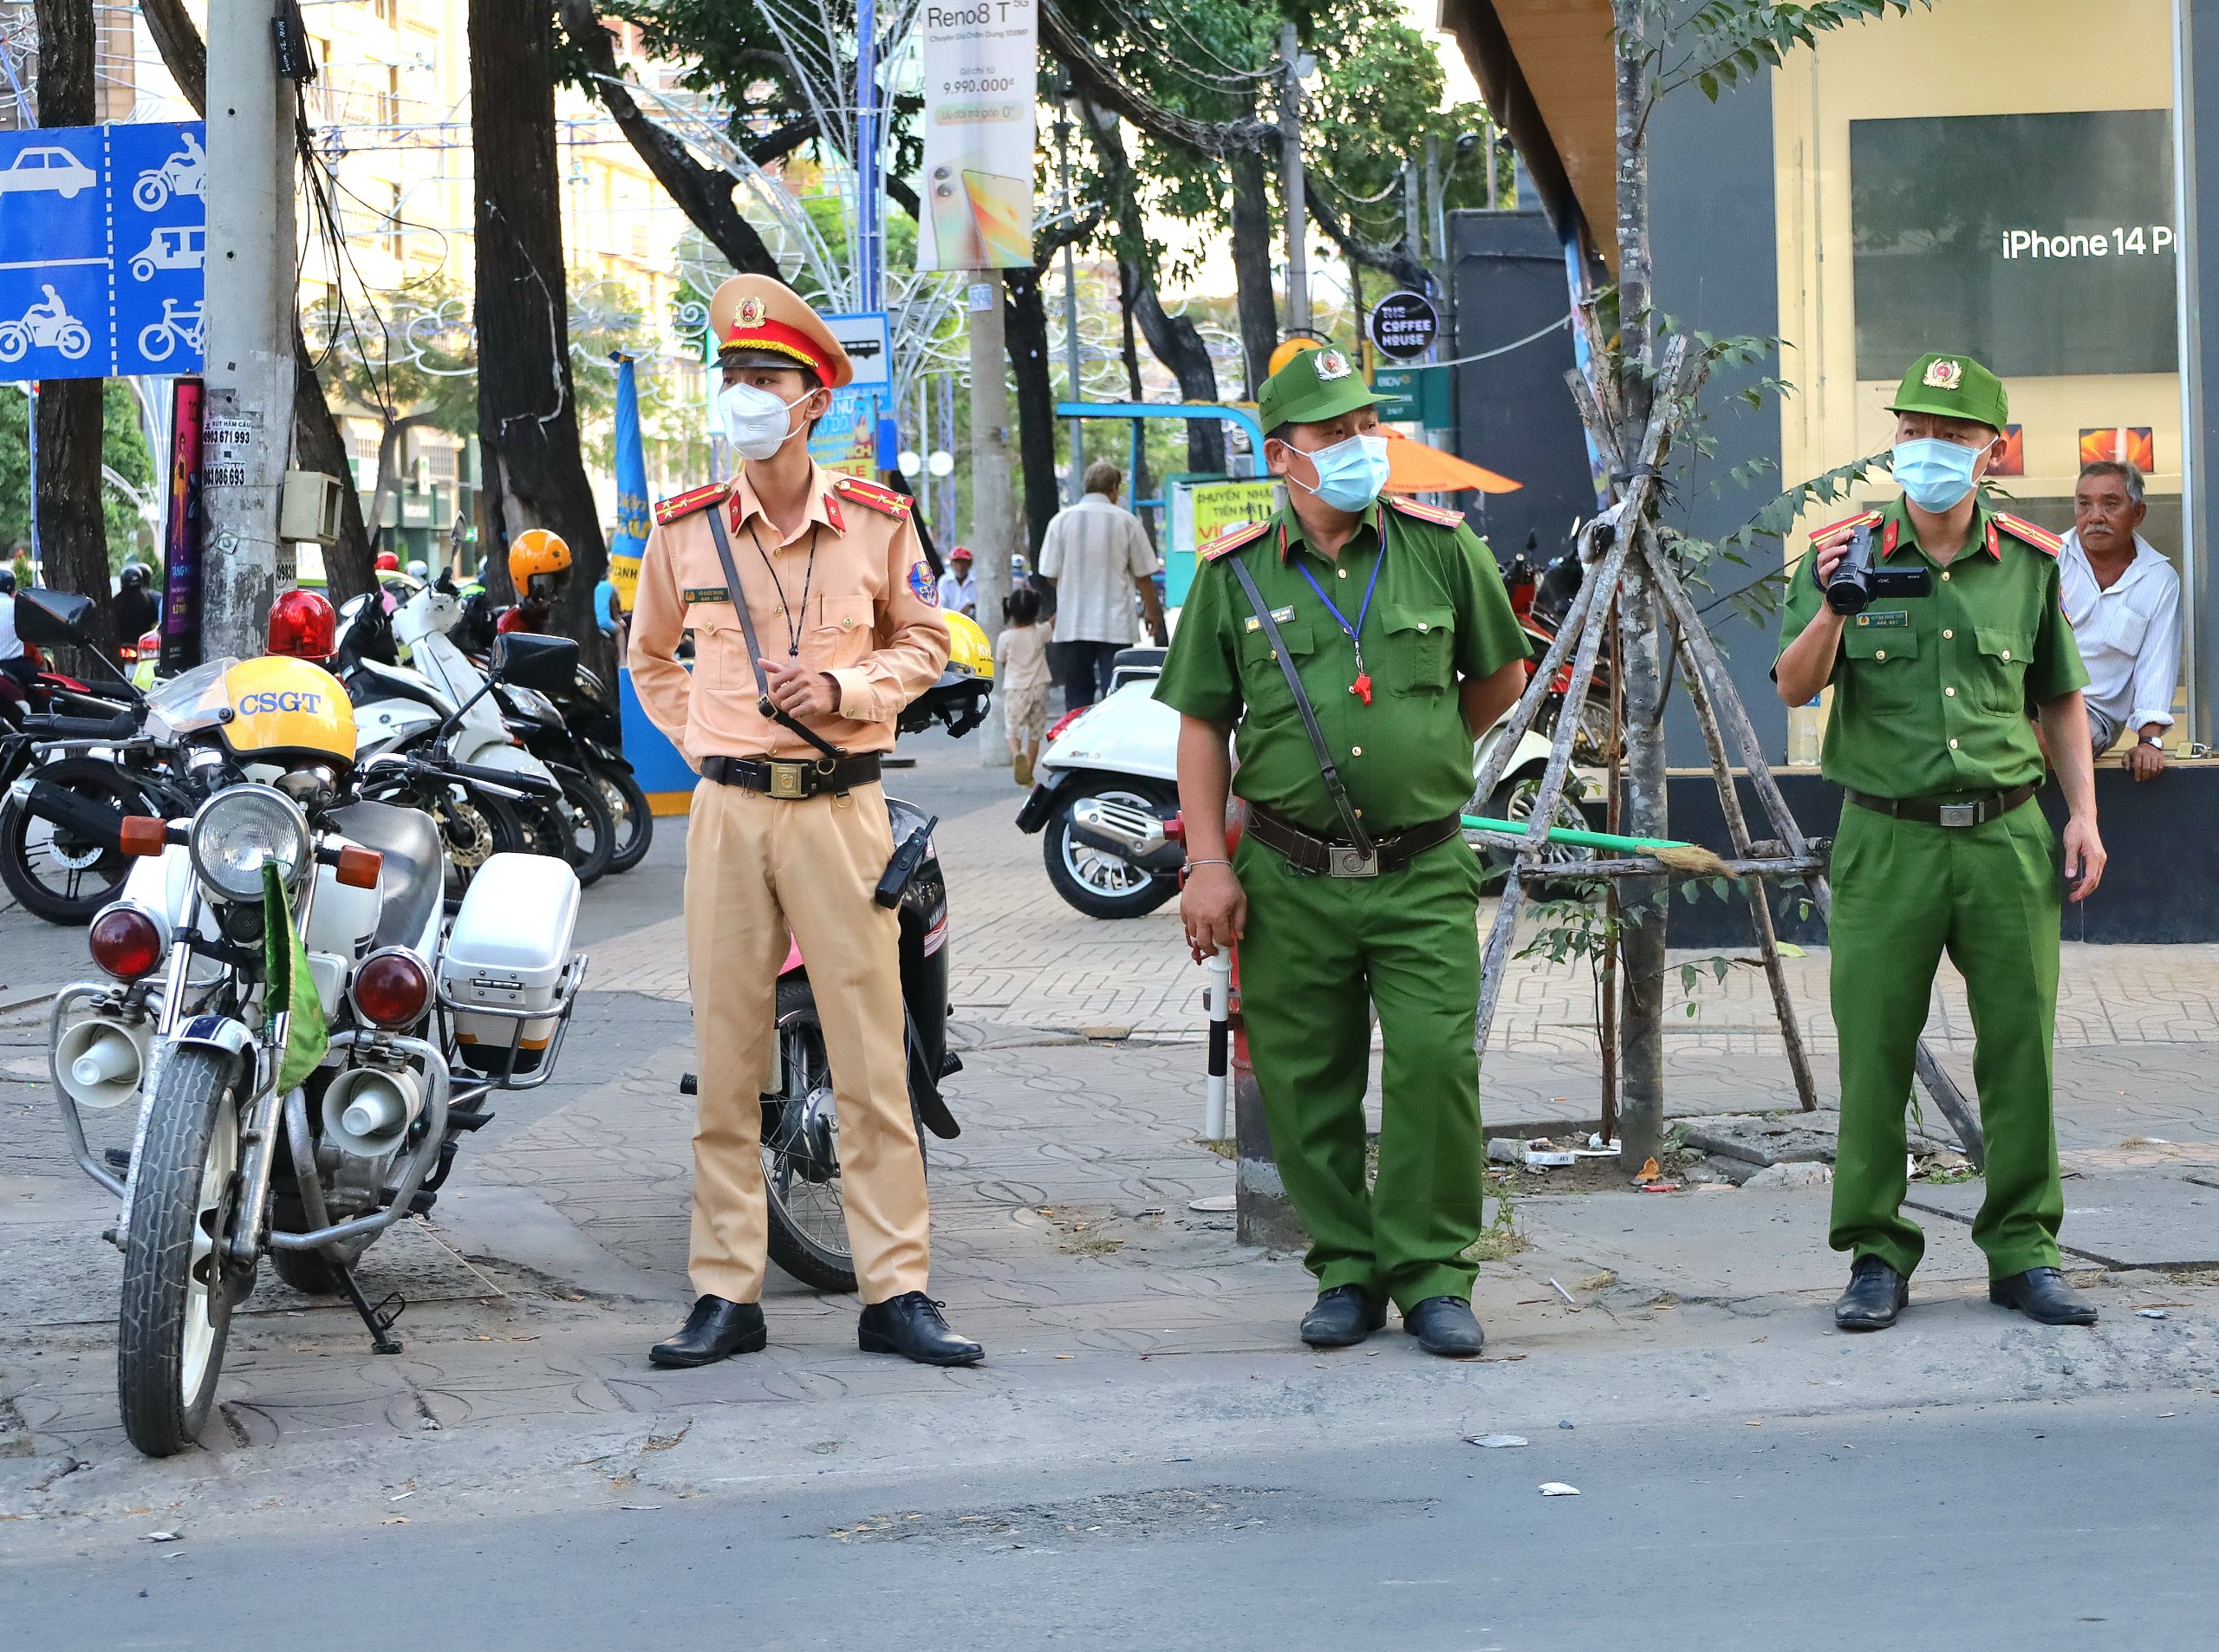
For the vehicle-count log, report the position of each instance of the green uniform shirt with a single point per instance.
(1440, 612)
(1932, 694)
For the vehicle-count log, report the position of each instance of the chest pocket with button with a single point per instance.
(2000, 682)
(1263, 685)
(841, 631)
(1419, 649)
(1882, 666)
(719, 651)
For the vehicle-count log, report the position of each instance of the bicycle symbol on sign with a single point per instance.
(178, 325)
(46, 325)
(184, 174)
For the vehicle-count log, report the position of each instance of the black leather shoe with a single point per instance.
(910, 1325)
(1342, 1318)
(1876, 1294)
(715, 1329)
(1445, 1325)
(2042, 1295)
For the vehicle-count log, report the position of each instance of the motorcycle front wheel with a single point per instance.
(178, 1285)
(58, 875)
(590, 834)
(800, 1158)
(628, 808)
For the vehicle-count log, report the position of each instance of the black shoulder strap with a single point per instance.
(754, 650)
(1358, 836)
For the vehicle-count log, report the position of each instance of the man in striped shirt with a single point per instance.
(1095, 556)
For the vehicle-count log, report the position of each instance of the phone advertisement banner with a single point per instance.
(979, 78)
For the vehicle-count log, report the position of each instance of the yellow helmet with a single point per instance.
(281, 706)
(537, 551)
(969, 653)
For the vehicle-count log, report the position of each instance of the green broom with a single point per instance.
(1689, 860)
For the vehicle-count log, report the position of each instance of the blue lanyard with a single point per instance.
(1361, 687)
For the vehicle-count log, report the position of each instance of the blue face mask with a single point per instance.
(1349, 473)
(1936, 474)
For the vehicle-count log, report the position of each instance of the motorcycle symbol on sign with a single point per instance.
(171, 250)
(183, 173)
(46, 325)
(157, 339)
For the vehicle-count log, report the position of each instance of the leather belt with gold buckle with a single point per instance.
(789, 779)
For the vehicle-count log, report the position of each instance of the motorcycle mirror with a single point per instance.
(51, 618)
(526, 660)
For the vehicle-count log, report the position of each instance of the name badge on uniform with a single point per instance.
(1886, 618)
(1279, 616)
(707, 594)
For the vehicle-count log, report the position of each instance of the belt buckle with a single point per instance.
(1342, 861)
(1960, 814)
(786, 779)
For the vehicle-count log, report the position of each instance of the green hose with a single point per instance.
(1575, 839)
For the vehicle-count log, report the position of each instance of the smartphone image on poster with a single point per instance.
(955, 232)
(1001, 215)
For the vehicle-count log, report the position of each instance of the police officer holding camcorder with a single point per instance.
(1938, 621)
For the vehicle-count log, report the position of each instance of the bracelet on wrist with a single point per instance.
(1192, 864)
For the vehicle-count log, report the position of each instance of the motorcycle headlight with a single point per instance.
(240, 829)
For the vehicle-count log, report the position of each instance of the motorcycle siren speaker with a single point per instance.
(367, 1110)
(100, 1060)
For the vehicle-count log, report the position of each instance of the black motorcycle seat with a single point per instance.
(378, 682)
(414, 880)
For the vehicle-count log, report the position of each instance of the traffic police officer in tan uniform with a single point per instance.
(1941, 847)
(786, 837)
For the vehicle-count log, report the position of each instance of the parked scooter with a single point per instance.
(210, 1010)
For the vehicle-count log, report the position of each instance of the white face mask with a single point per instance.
(756, 422)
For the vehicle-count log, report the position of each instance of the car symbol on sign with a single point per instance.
(171, 250)
(48, 168)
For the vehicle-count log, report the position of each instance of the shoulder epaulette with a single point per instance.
(1863, 519)
(2039, 537)
(1234, 538)
(1432, 513)
(872, 496)
(684, 504)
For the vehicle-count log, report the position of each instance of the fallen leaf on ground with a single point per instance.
(1495, 1442)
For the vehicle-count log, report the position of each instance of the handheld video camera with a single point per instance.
(1856, 581)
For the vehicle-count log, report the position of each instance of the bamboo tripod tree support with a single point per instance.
(1627, 531)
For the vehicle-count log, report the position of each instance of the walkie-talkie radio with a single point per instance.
(1856, 580)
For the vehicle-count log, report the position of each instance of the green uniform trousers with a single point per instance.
(1319, 953)
(1904, 891)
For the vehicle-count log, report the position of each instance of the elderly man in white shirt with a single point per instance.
(1095, 557)
(2123, 600)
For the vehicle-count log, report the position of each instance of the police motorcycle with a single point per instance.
(430, 727)
(800, 1129)
(284, 1014)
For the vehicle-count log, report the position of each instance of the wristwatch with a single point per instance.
(2150, 739)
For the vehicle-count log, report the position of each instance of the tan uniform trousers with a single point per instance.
(757, 867)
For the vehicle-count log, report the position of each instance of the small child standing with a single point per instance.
(1021, 676)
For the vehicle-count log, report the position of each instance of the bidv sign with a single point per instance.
(103, 235)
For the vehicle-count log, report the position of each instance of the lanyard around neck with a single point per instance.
(1361, 687)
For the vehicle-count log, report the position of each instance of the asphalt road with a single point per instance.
(2087, 1523)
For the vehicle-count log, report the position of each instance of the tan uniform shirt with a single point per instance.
(870, 619)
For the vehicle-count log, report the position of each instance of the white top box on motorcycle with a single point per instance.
(506, 951)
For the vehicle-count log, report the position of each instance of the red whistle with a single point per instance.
(1361, 687)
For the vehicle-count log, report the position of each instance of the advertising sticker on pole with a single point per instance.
(979, 74)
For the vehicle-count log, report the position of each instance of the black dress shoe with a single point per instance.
(910, 1325)
(2042, 1295)
(715, 1329)
(1445, 1325)
(1876, 1294)
(1343, 1317)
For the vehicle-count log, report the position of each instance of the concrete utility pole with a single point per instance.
(1075, 487)
(991, 540)
(1293, 193)
(249, 423)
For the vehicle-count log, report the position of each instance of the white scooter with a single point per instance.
(1107, 784)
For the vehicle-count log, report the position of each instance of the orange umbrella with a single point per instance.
(1414, 467)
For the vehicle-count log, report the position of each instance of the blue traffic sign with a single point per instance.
(103, 238)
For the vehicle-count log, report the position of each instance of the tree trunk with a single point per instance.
(72, 533)
(349, 565)
(527, 410)
(1141, 486)
(1024, 317)
(1177, 342)
(1251, 266)
(1640, 1032)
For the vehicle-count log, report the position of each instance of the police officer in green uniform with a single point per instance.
(1940, 845)
(1352, 886)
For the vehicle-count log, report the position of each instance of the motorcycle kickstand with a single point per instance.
(377, 1318)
